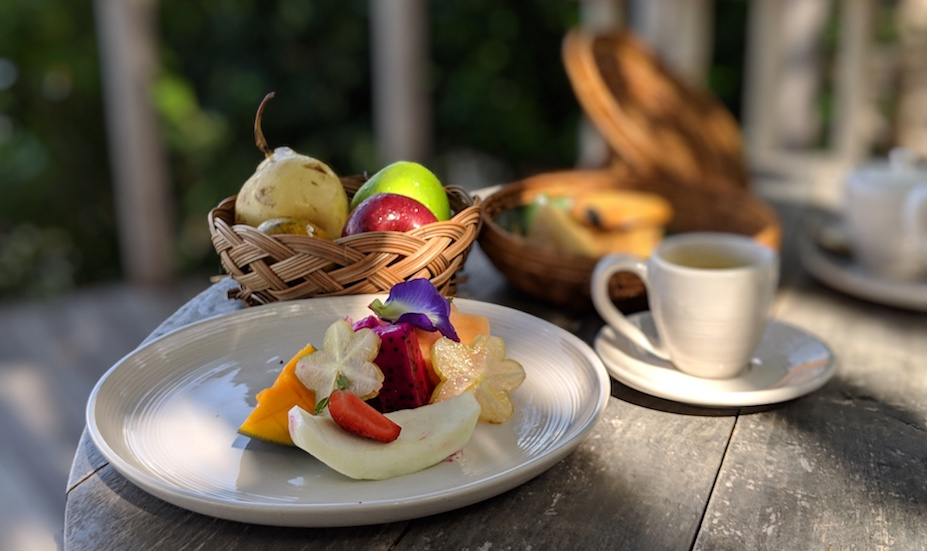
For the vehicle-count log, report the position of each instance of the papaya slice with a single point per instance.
(268, 421)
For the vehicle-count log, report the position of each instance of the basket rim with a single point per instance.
(277, 267)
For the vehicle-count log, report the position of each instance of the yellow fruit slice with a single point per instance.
(639, 241)
(480, 368)
(621, 210)
(468, 327)
(268, 419)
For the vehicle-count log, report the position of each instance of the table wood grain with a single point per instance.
(844, 468)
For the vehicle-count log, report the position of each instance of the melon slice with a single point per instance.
(429, 435)
(268, 420)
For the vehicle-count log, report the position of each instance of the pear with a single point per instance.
(287, 184)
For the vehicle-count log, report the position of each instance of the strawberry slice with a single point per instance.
(360, 418)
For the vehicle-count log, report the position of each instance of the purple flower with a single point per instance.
(419, 303)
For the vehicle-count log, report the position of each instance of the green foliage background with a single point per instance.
(497, 80)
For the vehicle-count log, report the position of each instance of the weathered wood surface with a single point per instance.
(52, 351)
(842, 468)
(845, 467)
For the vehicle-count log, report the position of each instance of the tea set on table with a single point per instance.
(707, 338)
(877, 250)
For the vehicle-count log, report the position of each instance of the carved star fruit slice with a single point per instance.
(347, 354)
(480, 368)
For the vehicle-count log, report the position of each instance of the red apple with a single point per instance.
(387, 212)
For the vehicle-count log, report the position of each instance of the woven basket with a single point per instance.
(655, 124)
(562, 278)
(270, 268)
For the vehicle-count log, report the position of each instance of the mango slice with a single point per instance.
(268, 421)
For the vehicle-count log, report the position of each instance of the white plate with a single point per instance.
(166, 417)
(841, 273)
(789, 363)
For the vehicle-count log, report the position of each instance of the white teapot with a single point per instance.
(886, 216)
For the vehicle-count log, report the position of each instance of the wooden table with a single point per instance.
(844, 468)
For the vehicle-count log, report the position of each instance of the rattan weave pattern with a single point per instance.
(270, 268)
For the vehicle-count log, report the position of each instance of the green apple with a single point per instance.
(410, 179)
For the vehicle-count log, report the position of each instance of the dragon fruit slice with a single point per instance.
(405, 383)
(370, 322)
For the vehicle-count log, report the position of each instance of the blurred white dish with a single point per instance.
(788, 363)
(840, 272)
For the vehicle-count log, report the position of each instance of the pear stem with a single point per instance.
(258, 133)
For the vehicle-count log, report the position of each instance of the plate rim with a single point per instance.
(326, 514)
(721, 399)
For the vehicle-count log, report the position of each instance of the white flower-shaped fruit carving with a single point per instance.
(345, 354)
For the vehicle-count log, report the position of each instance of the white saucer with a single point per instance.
(789, 363)
(839, 272)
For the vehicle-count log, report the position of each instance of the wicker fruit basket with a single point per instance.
(562, 278)
(270, 268)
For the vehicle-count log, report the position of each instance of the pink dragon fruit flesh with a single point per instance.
(405, 383)
(365, 323)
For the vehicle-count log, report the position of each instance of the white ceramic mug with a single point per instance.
(709, 295)
(886, 216)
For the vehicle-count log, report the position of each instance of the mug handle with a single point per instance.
(915, 217)
(608, 266)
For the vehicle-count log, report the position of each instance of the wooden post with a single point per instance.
(760, 77)
(596, 15)
(851, 133)
(680, 31)
(402, 108)
(128, 52)
(912, 103)
(801, 33)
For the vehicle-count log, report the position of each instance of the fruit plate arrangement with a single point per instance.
(166, 417)
(561, 276)
(296, 230)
